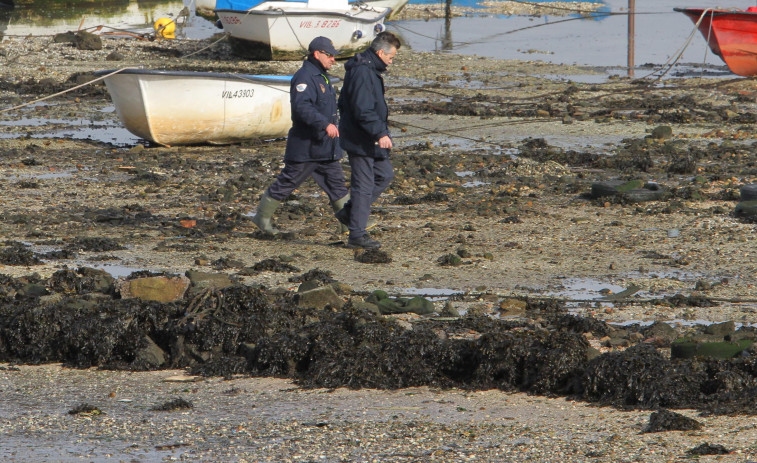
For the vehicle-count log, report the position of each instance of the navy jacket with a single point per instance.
(313, 102)
(362, 107)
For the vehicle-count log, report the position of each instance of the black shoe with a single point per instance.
(364, 242)
(343, 215)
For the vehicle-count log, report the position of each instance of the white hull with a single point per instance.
(282, 30)
(206, 7)
(180, 108)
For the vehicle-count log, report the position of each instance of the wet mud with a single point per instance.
(532, 198)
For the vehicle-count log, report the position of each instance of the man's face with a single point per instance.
(326, 59)
(387, 58)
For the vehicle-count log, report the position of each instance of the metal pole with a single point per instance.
(631, 34)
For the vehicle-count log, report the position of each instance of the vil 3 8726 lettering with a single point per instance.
(320, 24)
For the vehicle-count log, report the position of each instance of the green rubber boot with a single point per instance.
(262, 218)
(337, 205)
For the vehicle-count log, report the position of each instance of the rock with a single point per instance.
(746, 210)
(370, 307)
(158, 288)
(449, 310)
(748, 192)
(661, 330)
(308, 285)
(204, 280)
(634, 191)
(32, 290)
(115, 56)
(341, 288)
(512, 306)
(418, 305)
(613, 187)
(451, 260)
(721, 329)
(665, 420)
(64, 37)
(84, 40)
(376, 296)
(662, 132)
(150, 356)
(685, 348)
(709, 449)
(618, 342)
(319, 298)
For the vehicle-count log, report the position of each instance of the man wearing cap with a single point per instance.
(312, 148)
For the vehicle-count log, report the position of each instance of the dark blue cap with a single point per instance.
(322, 44)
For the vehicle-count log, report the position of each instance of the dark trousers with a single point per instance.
(327, 174)
(369, 179)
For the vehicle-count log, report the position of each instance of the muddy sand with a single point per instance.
(496, 200)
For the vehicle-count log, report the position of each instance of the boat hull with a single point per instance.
(282, 32)
(732, 35)
(206, 7)
(181, 108)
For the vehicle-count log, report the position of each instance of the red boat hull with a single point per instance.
(731, 34)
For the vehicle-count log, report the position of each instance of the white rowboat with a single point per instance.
(282, 30)
(182, 107)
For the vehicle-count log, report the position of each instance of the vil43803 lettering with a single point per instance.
(242, 93)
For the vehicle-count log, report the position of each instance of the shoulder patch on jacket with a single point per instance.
(301, 87)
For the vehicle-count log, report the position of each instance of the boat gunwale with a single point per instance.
(267, 79)
(713, 12)
(314, 12)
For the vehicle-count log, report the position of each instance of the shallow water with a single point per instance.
(599, 40)
(596, 41)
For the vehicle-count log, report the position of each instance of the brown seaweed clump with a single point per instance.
(75, 318)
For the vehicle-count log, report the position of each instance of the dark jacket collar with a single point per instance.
(366, 58)
(377, 62)
(311, 59)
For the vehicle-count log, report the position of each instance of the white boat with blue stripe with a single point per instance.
(185, 107)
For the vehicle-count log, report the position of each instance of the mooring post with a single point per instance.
(631, 34)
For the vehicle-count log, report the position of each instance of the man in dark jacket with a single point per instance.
(312, 148)
(365, 135)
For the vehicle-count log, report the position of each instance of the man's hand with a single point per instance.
(332, 131)
(385, 142)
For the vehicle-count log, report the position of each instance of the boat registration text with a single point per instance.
(241, 93)
(322, 24)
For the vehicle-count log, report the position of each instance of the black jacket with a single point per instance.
(313, 102)
(362, 107)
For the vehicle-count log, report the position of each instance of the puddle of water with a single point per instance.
(677, 322)
(474, 184)
(432, 294)
(118, 136)
(585, 289)
(47, 176)
(117, 15)
(115, 270)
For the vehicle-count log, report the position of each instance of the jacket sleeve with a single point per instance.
(362, 101)
(305, 106)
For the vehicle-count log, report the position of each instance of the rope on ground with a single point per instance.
(65, 91)
(183, 14)
(225, 37)
(668, 65)
(458, 135)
